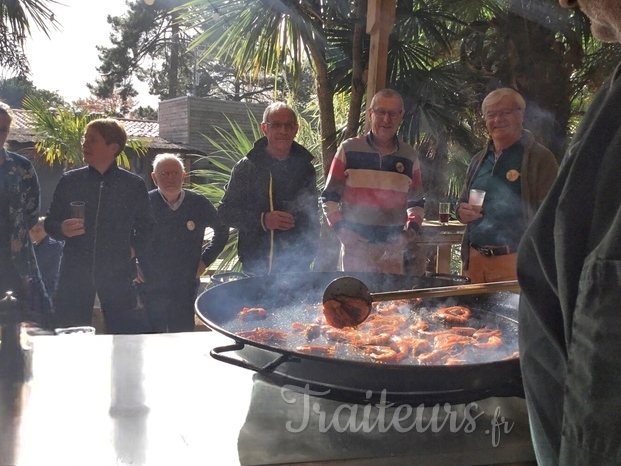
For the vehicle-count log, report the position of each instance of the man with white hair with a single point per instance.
(516, 173)
(177, 257)
(271, 199)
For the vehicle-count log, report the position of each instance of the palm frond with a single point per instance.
(58, 134)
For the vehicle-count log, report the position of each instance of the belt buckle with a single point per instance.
(487, 252)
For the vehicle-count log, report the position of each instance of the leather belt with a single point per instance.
(490, 251)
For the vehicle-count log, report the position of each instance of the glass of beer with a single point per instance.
(444, 208)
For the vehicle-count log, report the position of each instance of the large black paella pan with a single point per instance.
(288, 298)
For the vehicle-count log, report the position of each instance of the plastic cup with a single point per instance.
(77, 209)
(444, 209)
(476, 199)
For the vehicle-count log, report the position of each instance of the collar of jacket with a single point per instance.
(112, 168)
(526, 140)
(259, 151)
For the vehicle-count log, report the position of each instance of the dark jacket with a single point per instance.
(118, 217)
(569, 268)
(539, 170)
(248, 197)
(178, 239)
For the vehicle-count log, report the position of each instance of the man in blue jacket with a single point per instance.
(118, 222)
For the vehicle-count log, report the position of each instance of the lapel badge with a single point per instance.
(513, 175)
(191, 225)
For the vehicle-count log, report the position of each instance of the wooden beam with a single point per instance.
(380, 22)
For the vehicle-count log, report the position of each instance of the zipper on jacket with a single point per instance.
(101, 185)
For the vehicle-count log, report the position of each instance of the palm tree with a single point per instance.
(58, 134)
(16, 19)
(258, 43)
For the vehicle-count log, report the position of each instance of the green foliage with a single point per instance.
(16, 19)
(148, 44)
(14, 90)
(232, 147)
(458, 161)
(145, 113)
(58, 133)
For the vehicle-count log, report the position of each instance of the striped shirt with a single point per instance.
(373, 195)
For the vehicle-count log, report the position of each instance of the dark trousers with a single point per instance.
(75, 298)
(171, 308)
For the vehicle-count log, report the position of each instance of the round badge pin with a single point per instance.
(513, 175)
(191, 225)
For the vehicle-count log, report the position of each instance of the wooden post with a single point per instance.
(380, 22)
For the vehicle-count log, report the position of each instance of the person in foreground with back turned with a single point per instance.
(516, 173)
(569, 269)
(272, 199)
(176, 256)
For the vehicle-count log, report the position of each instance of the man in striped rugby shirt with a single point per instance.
(373, 197)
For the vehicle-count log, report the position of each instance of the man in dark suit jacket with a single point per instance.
(177, 256)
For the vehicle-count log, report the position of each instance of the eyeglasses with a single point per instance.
(500, 113)
(279, 126)
(386, 113)
(173, 173)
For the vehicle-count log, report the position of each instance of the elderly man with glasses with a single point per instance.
(516, 174)
(272, 199)
(373, 197)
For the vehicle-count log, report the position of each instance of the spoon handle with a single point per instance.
(459, 290)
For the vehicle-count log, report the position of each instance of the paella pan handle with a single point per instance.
(217, 353)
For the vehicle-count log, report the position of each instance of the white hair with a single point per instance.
(159, 158)
(274, 107)
(500, 93)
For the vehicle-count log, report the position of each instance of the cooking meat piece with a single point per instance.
(345, 311)
(264, 335)
(454, 314)
(317, 350)
(252, 313)
(310, 331)
(380, 353)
